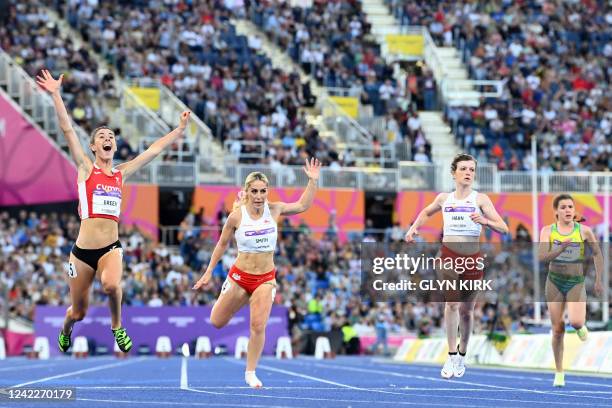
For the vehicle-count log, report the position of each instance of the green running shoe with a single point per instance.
(582, 333)
(63, 341)
(559, 380)
(123, 340)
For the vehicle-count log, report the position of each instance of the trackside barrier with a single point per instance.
(523, 351)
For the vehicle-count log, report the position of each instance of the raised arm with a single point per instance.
(130, 167)
(312, 170)
(424, 215)
(224, 239)
(46, 81)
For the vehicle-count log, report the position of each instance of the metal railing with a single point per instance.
(456, 92)
(137, 120)
(34, 101)
(183, 150)
(170, 109)
(409, 176)
(337, 91)
(249, 149)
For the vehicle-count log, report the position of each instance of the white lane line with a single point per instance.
(184, 380)
(71, 373)
(429, 395)
(297, 388)
(390, 373)
(191, 404)
(27, 367)
(483, 371)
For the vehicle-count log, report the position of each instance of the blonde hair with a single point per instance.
(242, 194)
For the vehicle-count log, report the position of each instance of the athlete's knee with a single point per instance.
(576, 323)
(452, 306)
(257, 325)
(465, 310)
(110, 287)
(78, 314)
(558, 330)
(217, 322)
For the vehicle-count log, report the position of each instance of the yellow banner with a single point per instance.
(406, 44)
(148, 96)
(349, 105)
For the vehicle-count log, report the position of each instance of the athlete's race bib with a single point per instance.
(570, 254)
(107, 204)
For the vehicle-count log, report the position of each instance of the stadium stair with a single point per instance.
(138, 121)
(435, 129)
(36, 106)
(326, 115)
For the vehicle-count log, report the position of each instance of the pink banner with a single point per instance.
(14, 342)
(32, 168)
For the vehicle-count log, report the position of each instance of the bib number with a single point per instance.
(108, 205)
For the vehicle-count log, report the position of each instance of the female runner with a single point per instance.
(253, 222)
(562, 245)
(97, 249)
(465, 212)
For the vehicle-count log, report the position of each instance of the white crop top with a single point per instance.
(456, 214)
(256, 235)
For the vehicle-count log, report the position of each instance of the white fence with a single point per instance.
(409, 176)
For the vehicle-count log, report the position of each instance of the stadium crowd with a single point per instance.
(554, 59)
(193, 49)
(319, 277)
(31, 37)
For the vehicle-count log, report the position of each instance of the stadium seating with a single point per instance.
(553, 57)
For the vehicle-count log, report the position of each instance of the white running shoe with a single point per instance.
(458, 365)
(449, 368)
(252, 380)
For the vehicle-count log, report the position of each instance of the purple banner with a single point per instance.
(460, 209)
(146, 324)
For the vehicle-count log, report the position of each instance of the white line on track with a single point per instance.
(298, 388)
(194, 404)
(422, 395)
(483, 371)
(390, 373)
(71, 373)
(27, 367)
(336, 400)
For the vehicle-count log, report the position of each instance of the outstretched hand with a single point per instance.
(184, 119)
(312, 169)
(203, 281)
(46, 81)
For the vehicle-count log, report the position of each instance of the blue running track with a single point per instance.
(302, 382)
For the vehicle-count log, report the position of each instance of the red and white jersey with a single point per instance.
(100, 195)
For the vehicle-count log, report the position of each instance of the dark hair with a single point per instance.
(462, 157)
(560, 197)
(93, 135)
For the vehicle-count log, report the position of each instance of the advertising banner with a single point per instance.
(145, 324)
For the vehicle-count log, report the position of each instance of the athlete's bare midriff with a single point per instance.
(457, 244)
(97, 233)
(255, 263)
